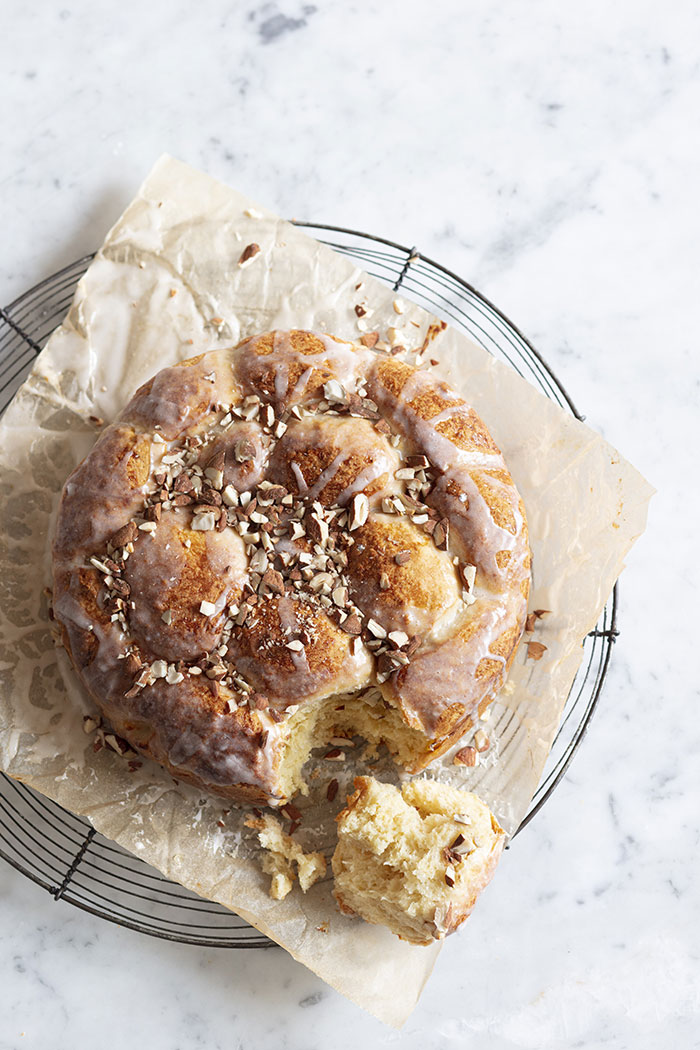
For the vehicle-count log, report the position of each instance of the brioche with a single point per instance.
(282, 541)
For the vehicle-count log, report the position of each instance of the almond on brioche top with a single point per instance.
(286, 539)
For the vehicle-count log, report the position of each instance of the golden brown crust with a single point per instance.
(467, 432)
(304, 343)
(403, 595)
(393, 375)
(325, 458)
(260, 651)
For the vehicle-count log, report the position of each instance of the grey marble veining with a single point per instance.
(548, 153)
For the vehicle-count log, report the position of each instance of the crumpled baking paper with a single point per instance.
(165, 285)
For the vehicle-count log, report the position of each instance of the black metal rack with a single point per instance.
(63, 852)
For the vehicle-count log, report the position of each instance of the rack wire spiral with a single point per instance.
(63, 852)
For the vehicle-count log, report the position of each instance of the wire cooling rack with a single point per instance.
(63, 852)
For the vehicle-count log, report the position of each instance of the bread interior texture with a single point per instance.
(396, 863)
(364, 714)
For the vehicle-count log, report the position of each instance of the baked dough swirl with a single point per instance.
(290, 538)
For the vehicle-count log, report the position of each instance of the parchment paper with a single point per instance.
(165, 285)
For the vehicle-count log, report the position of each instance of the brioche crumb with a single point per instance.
(414, 859)
(282, 881)
(282, 857)
(364, 713)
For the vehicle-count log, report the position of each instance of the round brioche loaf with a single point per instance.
(284, 540)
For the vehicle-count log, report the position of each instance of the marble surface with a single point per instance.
(547, 153)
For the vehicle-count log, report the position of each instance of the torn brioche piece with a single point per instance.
(282, 857)
(416, 859)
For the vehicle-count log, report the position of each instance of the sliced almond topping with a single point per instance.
(340, 596)
(259, 561)
(535, 650)
(376, 629)
(207, 608)
(116, 743)
(466, 756)
(441, 534)
(352, 625)
(399, 638)
(321, 582)
(100, 565)
(481, 741)
(248, 253)
(127, 534)
(205, 521)
(359, 511)
(469, 575)
(334, 392)
(214, 475)
(274, 581)
(532, 619)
